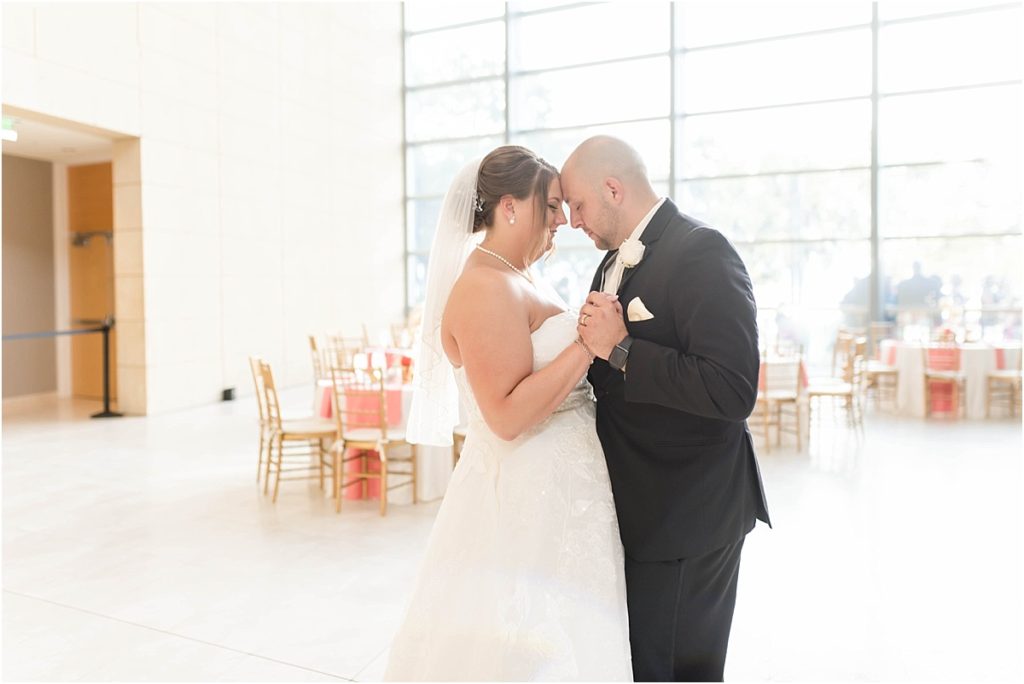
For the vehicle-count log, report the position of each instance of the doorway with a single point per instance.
(90, 202)
(96, 244)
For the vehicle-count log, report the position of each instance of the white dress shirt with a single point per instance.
(615, 268)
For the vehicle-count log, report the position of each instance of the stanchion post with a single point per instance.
(106, 412)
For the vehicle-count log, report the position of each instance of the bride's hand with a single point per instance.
(600, 323)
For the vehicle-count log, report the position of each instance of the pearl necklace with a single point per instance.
(506, 262)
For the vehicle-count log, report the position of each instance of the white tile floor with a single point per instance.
(141, 549)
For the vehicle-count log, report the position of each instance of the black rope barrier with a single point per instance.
(105, 328)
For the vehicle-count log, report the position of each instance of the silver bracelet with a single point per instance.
(579, 341)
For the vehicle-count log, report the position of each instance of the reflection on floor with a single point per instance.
(141, 549)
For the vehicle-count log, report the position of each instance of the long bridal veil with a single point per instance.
(435, 404)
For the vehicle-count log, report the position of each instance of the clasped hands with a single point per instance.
(600, 323)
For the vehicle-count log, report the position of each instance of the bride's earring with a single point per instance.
(512, 221)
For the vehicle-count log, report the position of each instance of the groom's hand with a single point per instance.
(600, 323)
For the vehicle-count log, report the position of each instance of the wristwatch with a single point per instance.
(620, 354)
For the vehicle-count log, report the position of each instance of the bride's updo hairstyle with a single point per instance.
(511, 170)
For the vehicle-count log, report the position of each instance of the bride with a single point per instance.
(523, 575)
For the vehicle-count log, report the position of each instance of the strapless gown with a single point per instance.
(523, 575)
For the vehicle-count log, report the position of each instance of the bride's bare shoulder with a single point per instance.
(482, 282)
(480, 288)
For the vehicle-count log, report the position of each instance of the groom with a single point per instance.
(675, 382)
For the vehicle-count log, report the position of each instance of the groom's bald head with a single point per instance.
(604, 156)
(605, 184)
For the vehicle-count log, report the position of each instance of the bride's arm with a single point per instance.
(489, 320)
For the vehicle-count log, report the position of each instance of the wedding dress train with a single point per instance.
(523, 574)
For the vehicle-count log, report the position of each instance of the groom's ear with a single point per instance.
(612, 189)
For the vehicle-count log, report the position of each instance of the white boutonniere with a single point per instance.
(631, 252)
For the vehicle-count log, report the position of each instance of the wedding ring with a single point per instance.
(583, 319)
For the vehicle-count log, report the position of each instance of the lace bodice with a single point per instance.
(549, 340)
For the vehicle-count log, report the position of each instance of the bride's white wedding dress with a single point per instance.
(523, 574)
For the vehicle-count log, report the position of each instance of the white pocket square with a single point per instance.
(636, 311)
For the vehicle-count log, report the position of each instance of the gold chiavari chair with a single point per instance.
(261, 403)
(841, 351)
(779, 402)
(361, 341)
(305, 432)
(878, 331)
(882, 380)
(317, 357)
(849, 388)
(880, 377)
(341, 351)
(361, 422)
(1003, 388)
(321, 378)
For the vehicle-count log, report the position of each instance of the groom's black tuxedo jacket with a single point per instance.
(673, 427)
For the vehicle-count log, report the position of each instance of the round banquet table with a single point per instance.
(976, 361)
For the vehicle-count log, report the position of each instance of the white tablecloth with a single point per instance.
(976, 360)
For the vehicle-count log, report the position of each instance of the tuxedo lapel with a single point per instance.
(659, 222)
(595, 284)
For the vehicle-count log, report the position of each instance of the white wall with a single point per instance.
(269, 165)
